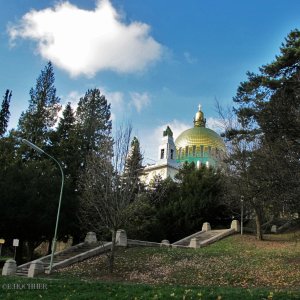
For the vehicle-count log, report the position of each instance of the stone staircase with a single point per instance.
(201, 236)
(206, 236)
(92, 248)
(59, 257)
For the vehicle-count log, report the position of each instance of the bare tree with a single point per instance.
(265, 173)
(243, 178)
(106, 193)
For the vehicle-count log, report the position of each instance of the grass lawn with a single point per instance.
(70, 288)
(238, 267)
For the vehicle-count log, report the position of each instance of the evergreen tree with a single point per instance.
(133, 165)
(268, 111)
(4, 112)
(41, 115)
(92, 140)
(93, 123)
(33, 197)
(199, 200)
(64, 139)
(66, 144)
(178, 209)
(66, 123)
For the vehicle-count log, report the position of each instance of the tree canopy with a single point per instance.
(265, 156)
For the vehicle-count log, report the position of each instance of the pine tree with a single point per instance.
(65, 142)
(268, 111)
(41, 115)
(93, 124)
(66, 123)
(133, 166)
(134, 160)
(34, 195)
(4, 113)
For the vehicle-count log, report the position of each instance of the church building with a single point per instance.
(198, 144)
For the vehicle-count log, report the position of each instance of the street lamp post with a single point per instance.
(36, 148)
(242, 214)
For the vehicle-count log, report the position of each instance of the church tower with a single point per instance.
(167, 149)
(167, 165)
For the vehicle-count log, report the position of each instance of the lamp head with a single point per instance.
(33, 146)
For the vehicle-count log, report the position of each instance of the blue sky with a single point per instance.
(154, 60)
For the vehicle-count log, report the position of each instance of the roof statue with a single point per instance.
(168, 132)
(135, 141)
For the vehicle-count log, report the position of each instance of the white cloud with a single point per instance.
(189, 58)
(87, 41)
(139, 100)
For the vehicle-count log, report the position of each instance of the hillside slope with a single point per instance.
(239, 261)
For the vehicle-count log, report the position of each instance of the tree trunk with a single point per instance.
(112, 252)
(19, 252)
(49, 250)
(76, 239)
(30, 247)
(258, 221)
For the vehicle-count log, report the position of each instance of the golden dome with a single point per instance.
(199, 136)
(199, 144)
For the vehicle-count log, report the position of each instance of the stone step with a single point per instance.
(201, 237)
(22, 274)
(66, 254)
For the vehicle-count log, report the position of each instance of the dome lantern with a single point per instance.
(199, 120)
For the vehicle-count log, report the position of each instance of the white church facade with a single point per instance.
(198, 144)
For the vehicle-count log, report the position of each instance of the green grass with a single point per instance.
(236, 261)
(23, 289)
(238, 267)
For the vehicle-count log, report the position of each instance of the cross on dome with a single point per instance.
(199, 107)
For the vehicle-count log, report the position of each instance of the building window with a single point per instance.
(209, 150)
(172, 153)
(194, 150)
(201, 151)
(162, 153)
(186, 150)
